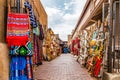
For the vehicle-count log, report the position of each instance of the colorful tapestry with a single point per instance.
(30, 47)
(38, 53)
(36, 31)
(21, 68)
(41, 36)
(34, 49)
(13, 50)
(73, 45)
(23, 50)
(18, 68)
(17, 29)
(29, 68)
(97, 67)
(31, 14)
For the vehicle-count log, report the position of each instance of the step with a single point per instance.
(111, 76)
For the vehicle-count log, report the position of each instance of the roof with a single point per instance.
(82, 14)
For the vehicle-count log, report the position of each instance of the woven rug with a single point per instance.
(17, 29)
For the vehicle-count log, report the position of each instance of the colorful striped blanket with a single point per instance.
(17, 29)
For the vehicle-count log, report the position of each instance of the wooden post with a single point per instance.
(18, 5)
(110, 38)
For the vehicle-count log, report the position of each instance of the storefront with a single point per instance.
(52, 45)
(25, 36)
(99, 37)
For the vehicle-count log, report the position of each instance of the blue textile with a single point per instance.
(31, 14)
(65, 50)
(17, 68)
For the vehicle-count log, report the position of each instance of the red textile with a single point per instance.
(78, 43)
(17, 29)
(97, 67)
(76, 46)
(73, 43)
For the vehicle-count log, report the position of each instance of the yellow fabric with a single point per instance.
(91, 51)
(93, 42)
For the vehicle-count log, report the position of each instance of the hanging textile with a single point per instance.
(18, 68)
(94, 36)
(97, 67)
(39, 32)
(41, 36)
(21, 68)
(78, 42)
(40, 52)
(73, 42)
(36, 31)
(31, 14)
(34, 50)
(38, 55)
(24, 50)
(29, 68)
(17, 29)
(19, 41)
(78, 46)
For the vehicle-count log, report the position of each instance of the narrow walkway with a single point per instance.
(62, 68)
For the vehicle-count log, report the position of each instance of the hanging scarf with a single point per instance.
(31, 14)
(37, 56)
(35, 49)
(29, 68)
(36, 31)
(73, 42)
(97, 67)
(41, 36)
(17, 29)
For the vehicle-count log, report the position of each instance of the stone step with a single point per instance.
(111, 76)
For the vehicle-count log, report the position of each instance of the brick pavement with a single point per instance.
(63, 67)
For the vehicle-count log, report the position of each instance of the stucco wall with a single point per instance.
(4, 62)
(2, 20)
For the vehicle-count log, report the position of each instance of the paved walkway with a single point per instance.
(63, 67)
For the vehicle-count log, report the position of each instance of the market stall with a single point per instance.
(93, 49)
(24, 39)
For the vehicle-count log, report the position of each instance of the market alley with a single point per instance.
(63, 67)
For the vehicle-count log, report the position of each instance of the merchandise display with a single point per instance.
(52, 46)
(92, 48)
(24, 38)
(17, 29)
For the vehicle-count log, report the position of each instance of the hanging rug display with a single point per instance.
(23, 50)
(18, 68)
(17, 29)
(21, 68)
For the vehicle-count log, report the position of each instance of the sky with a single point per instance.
(63, 15)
